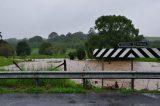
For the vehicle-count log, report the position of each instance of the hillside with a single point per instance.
(152, 38)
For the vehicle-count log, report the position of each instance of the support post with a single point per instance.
(37, 82)
(102, 70)
(132, 80)
(84, 82)
(65, 65)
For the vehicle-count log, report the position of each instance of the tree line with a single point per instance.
(108, 31)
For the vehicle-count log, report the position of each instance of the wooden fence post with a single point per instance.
(65, 65)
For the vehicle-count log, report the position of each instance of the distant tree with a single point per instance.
(52, 36)
(112, 29)
(68, 34)
(23, 49)
(12, 41)
(81, 53)
(91, 31)
(62, 35)
(46, 48)
(6, 49)
(36, 39)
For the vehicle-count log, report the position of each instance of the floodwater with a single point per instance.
(93, 65)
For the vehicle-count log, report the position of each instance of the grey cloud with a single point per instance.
(26, 18)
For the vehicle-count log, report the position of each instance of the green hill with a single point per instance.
(152, 38)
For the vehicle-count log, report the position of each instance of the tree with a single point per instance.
(46, 49)
(35, 41)
(115, 29)
(23, 48)
(52, 36)
(6, 49)
(112, 29)
(91, 31)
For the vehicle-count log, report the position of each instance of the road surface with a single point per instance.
(89, 99)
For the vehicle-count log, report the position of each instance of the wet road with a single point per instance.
(89, 99)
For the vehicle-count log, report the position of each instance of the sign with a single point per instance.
(141, 44)
(127, 53)
(133, 44)
(126, 44)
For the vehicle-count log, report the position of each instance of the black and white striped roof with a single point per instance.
(127, 53)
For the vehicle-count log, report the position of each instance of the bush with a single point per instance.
(23, 49)
(46, 49)
(72, 55)
(81, 54)
(6, 50)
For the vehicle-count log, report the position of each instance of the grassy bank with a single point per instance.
(57, 86)
(147, 60)
(43, 56)
(5, 61)
(44, 86)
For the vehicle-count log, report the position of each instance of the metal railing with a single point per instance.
(79, 75)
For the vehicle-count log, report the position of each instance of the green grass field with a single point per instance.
(36, 55)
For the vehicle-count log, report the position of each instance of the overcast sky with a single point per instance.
(27, 18)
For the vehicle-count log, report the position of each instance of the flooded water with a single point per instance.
(93, 65)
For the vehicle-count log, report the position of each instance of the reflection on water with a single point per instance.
(93, 65)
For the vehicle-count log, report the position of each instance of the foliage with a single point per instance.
(154, 44)
(70, 40)
(112, 30)
(12, 41)
(152, 38)
(60, 43)
(35, 41)
(6, 49)
(91, 32)
(81, 53)
(23, 49)
(52, 36)
(46, 49)
(72, 55)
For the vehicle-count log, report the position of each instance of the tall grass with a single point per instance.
(5, 61)
(40, 85)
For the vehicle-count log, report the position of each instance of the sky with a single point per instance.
(27, 18)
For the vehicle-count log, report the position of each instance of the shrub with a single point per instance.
(46, 49)
(72, 55)
(23, 49)
(81, 53)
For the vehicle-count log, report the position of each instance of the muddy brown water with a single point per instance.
(90, 65)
